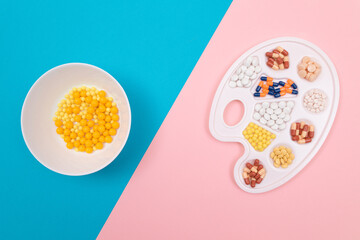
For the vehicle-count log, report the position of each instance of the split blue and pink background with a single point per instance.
(170, 57)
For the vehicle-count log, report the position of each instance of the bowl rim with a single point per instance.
(37, 82)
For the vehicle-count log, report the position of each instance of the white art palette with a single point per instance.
(292, 108)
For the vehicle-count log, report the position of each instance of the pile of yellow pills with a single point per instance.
(86, 119)
(258, 137)
(282, 156)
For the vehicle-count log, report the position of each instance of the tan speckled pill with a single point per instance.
(312, 77)
(311, 68)
(307, 77)
(302, 66)
(305, 59)
(302, 73)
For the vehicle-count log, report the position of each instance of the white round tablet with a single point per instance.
(290, 104)
(257, 116)
(255, 61)
(270, 122)
(287, 110)
(278, 111)
(234, 77)
(274, 106)
(274, 117)
(257, 107)
(267, 116)
(279, 121)
(263, 120)
(275, 127)
(282, 104)
(287, 117)
(265, 104)
(232, 84)
(262, 111)
(269, 111)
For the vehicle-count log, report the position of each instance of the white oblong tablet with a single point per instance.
(239, 84)
(278, 111)
(274, 117)
(279, 121)
(262, 111)
(255, 61)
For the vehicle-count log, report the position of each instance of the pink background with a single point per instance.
(184, 186)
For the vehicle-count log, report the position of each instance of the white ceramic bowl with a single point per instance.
(40, 105)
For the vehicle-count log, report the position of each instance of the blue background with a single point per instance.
(150, 47)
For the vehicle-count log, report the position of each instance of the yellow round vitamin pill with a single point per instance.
(108, 125)
(115, 125)
(112, 132)
(102, 139)
(89, 150)
(99, 145)
(101, 128)
(108, 139)
(115, 117)
(73, 135)
(88, 135)
(70, 145)
(58, 123)
(59, 130)
(67, 139)
(86, 129)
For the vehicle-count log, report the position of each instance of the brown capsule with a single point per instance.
(297, 132)
(311, 131)
(262, 172)
(256, 162)
(257, 176)
(246, 170)
(304, 134)
(271, 60)
(253, 182)
(306, 127)
(307, 140)
(300, 132)
(276, 51)
(297, 125)
(301, 141)
(292, 132)
(270, 64)
(259, 180)
(247, 181)
(286, 65)
(245, 175)
(252, 174)
(302, 124)
(269, 54)
(249, 166)
(275, 67)
(279, 60)
(281, 55)
(260, 167)
(295, 138)
(284, 52)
